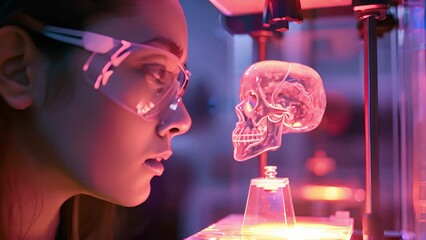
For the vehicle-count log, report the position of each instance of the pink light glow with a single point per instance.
(242, 7)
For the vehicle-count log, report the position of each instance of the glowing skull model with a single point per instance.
(276, 98)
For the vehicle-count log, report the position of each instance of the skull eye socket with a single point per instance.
(250, 102)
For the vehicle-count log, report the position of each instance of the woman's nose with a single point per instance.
(175, 122)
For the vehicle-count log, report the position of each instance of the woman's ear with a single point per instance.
(16, 54)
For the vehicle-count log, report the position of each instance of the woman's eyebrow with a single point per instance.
(168, 44)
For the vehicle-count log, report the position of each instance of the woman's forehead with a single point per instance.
(162, 22)
(168, 45)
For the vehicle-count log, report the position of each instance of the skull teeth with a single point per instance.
(247, 135)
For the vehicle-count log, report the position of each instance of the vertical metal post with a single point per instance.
(261, 44)
(261, 38)
(369, 11)
(372, 227)
(263, 162)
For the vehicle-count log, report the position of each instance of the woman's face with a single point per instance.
(110, 152)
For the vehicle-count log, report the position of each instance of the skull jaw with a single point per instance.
(246, 151)
(249, 147)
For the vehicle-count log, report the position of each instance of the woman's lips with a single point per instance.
(155, 165)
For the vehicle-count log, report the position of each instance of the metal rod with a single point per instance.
(261, 44)
(262, 39)
(263, 162)
(372, 221)
(371, 117)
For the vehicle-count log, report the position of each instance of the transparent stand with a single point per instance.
(269, 204)
(269, 215)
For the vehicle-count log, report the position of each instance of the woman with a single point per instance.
(90, 100)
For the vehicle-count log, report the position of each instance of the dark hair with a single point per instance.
(70, 14)
(62, 13)
(59, 12)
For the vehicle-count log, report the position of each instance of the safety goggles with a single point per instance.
(141, 78)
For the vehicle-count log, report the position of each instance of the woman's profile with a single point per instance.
(90, 98)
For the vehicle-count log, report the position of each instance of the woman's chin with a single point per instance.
(136, 199)
(130, 199)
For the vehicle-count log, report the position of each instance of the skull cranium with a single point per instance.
(276, 98)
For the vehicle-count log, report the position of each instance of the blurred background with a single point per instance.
(203, 183)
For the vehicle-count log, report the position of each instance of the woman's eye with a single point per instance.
(159, 74)
(159, 81)
(158, 85)
(160, 91)
(157, 77)
(156, 72)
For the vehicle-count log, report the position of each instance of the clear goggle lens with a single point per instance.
(146, 81)
(141, 78)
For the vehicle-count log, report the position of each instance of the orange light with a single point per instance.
(305, 231)
(320, 164)
(359, 195)
(320, 169)
(327, 193)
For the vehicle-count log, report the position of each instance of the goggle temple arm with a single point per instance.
(90, 41)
